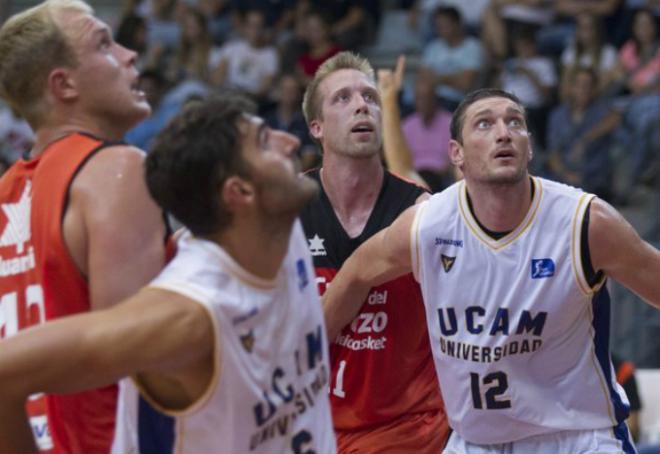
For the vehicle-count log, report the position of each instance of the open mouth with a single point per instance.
(135, 89)
(362, 128)
(504, 154)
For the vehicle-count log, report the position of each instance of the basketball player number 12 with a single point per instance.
(495, 384)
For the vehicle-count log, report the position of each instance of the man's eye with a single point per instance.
(515, 122)
(482, 124)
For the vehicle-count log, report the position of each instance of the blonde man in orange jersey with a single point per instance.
(384, 394)
(79, 230)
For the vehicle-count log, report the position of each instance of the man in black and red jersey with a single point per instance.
(384, 391)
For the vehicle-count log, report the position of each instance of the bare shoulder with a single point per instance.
(116, 165)
(610, 236)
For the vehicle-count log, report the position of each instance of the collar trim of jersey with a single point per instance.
(233, 268)
(503, 242)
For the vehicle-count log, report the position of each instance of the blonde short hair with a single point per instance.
(343, 60)
(32, 44)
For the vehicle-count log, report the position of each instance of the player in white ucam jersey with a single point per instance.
(229, 339)
(513, 271)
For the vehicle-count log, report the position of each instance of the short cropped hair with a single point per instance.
(31, 46)
(343, 60)
(458, 118)
(192, 158)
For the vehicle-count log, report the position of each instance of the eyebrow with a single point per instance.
(102, 30)
(509, 110)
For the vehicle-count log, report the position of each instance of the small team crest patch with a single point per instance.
(447, 262)
(248, 341)
(542, 268)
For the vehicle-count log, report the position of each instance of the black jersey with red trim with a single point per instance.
(381, 363)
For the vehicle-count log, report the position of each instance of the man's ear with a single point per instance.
(237, 192)
(61, 85)
(316, 130)
(456, 153)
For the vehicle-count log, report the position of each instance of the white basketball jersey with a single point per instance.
(270, 391)
(520, 340)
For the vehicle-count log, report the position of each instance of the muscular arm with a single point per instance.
(113, 229)
(155, 330)
(382, 258)
(617, 249)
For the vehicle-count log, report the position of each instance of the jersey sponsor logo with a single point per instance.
(375, 298)
(247, 340)
(477, 322)
(448, 242)
(291, 392)
(303, 279)
(16, 233)
(447, 262)
(366, 323)
(542, 268)
(316, 247)
(368, 343)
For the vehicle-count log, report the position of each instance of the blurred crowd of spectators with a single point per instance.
(588, 72)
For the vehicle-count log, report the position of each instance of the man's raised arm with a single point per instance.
(383, 257)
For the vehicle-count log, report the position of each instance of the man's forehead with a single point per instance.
(492, 104)
(344, 78)
(249, 122)
(78, 24)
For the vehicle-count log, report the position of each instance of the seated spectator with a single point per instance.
(453, 60)
(195, 51)
(609, 12)
(503, 16)
(427, 133)
(421, 12)
(16, 136)
(532, 78)
(578, 137)
(287, 116)
(352, 22)
(154, 86)
(588, 49)
(279, 15)
(638, 74)
(220, 19)
(319, 44)
(639, 59)
(249, 63)
(162, 27)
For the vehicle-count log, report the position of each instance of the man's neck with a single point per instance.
(352, 186)
(500, 208)
(51, 133)
(257, 245)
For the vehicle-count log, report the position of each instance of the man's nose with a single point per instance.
(503, 134)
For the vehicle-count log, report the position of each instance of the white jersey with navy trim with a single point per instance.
(519, 338)
(269, 393)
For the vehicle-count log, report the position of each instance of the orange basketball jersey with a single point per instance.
(39, 282)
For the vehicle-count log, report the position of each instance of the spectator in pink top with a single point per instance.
(427, 133)
(639, 58)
